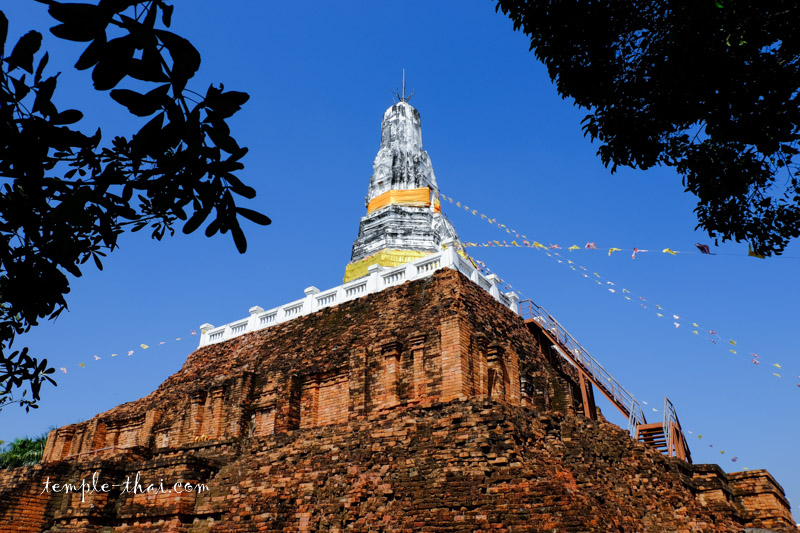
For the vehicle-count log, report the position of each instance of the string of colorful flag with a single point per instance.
(733, 459)
(702, 249)
(709, 334)
(63, 369)
(712, 334)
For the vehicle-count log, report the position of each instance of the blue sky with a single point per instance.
(501, 141)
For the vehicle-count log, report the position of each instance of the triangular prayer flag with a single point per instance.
(144, 346)
(113, 355)
(669, 251)
(776, 365)
(64, 370)
(574, 247)
(704, 249)
(590, 246)
(96, 357)
(130, 352)
(612, 250)
(81, 365)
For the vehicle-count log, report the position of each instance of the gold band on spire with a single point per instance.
(412, 197)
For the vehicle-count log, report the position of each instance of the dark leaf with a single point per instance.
(91, 55)
(21, 89)
(195, 220)
(44, 94)
(254, 216)
(219, 133)
(149, 67)
(239, 187)
(114, 63)
(141, 105)
(40, 69)
(185, 58)
(148, 135)
(3, 33)
(238, 239)
(70, 116)
(225, 104)
(212, 228)
(22, 54)
(74, 13)
(75, 32)
(166, 15)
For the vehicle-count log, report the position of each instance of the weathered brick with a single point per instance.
(401, 411)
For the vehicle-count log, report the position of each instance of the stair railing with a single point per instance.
(577, 354)
(671, 421)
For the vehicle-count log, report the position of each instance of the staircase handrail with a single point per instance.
(625, 401)
(670, 418)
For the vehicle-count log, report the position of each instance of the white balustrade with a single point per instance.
(326, 300)
(356, 290)
(378, 279)
(394, 278)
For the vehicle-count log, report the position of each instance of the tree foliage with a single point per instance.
(23, 452)
(709, 87)
(66, 196)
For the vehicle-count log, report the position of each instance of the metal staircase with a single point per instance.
(666, 437)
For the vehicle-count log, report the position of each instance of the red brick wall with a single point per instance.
(400, 410)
